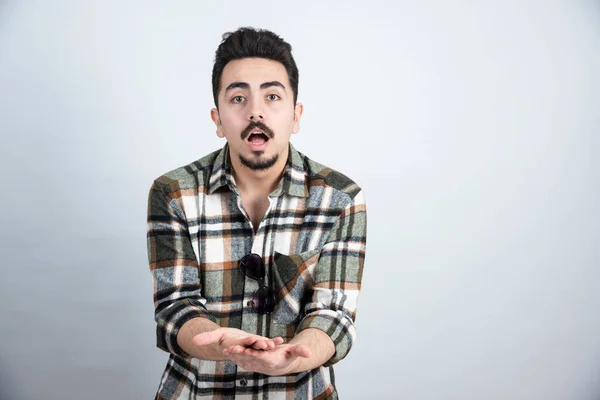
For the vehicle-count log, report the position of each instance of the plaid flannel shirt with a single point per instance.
(312, 241)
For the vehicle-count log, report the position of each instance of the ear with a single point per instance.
(298, 110)
(214, 115)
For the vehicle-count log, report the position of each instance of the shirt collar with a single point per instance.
(294, 181)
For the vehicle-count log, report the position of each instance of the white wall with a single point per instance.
(472, 126)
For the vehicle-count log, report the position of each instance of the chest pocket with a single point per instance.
(293, 277)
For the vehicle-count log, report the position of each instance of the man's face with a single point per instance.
(256, 112)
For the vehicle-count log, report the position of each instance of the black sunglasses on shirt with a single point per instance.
(253, 267)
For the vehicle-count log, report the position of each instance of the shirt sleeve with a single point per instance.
(174, 266)
(338, 277)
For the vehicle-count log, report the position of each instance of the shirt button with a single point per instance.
(243, 382)
(250, 303)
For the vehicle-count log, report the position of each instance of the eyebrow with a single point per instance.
(246, 86)
(271, 84)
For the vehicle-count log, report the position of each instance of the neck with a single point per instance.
(258, 183)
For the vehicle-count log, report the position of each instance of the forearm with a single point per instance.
(320, 345)
(193, 327)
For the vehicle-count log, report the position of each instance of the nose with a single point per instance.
(255, 111)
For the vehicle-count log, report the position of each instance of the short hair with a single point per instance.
(248, 42)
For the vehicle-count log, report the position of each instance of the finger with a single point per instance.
(270, 344)
(275, 342)
(205, 338)
(254, 341)
(278, 340)
(236, 349)
(261, 344)
(300, 350)
(254, 353)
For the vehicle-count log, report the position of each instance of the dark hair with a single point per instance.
(248, 42)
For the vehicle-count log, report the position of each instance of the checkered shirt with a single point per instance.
(312, 241)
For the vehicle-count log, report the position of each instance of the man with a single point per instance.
(256, 251)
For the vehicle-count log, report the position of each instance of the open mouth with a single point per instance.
(258, 138)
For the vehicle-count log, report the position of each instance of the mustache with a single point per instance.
(259, 125)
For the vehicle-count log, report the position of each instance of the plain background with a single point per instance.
(473, 128)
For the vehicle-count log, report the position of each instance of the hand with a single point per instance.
(228, 337)
(281, 360)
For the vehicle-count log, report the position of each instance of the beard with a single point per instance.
(256, 164)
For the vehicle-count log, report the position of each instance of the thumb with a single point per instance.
(205, 338)
(300, 350)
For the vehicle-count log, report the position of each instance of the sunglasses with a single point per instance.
(253, 267)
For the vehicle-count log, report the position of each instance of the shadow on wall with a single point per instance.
(7, 384)
(6, 9)
(594, 10)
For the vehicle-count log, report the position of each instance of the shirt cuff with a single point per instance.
(170, 322)
(337, 326)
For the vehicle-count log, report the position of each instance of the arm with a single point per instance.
(180, 313)
(320, 346)
(338, 278)
(193, 328)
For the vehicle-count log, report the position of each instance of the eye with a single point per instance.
(237, 99)
(273, 97)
